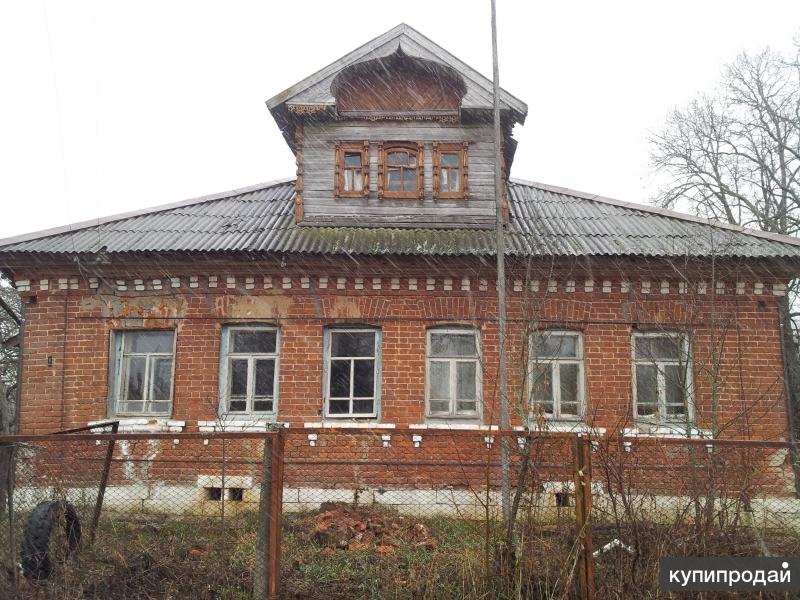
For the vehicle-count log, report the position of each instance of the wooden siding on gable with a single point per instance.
(397, 92)
(322, 207)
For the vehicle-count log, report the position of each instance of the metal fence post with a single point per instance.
(583, 508)
(98, 507)
(266, 579)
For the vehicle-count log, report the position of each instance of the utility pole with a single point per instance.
(500, 246)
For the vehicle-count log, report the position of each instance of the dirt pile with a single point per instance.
(351, 528)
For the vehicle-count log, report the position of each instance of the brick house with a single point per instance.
(362, 292)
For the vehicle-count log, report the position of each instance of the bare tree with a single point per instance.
(735, 155)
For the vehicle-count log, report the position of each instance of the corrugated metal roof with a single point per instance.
(545, 221)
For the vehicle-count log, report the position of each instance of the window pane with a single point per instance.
(363, 407)
(352, 159)
(158, 407)
(134, 377)
(160, 378)
(542, 383)
(466, 388)
(439, 373)
(453, 344)
(409, 180)
(662, 347)
(340, 379)
(348, 181)
(549, 345)
(440, 406)
(464, 406)
(254, 342)
(393, 183)
(238, 377)
(364, 379)
(444, 180)
(237, 405)
(345, 343)
(455, 180)
(569, 387)
(646, 389)
(450, 159)
(262, 405)
(149, 341)
(265, 378)
(675, 389)
(397, 159)
(358, 183)
(338, 407)
(569, 409)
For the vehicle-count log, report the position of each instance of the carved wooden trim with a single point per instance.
(381, 163)
(343, 148)
(438, 150)
(365, 169)
(420, 170)
(436, 160)
(306, 109)
(299, 212)
(415, 147)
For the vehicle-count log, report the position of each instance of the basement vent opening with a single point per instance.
(563, 499)
(234, 494)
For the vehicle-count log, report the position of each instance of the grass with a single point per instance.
(146, 556)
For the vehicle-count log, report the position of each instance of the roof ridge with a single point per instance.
(664, 212)
(72, 227)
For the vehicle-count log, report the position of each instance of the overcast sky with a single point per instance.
(108, 106)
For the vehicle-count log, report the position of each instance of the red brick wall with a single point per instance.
(67, 333)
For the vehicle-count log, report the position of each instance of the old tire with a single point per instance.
(36, 560)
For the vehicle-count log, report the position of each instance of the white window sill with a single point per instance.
(562, 426)
(348, 425)
(239, 424)
(455, 426)
(143, 425)
(665, 431)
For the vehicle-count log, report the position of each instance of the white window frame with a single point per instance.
(227, 356)
(661, 416)
(326, 373)
(119, 372)
(556, 363)
(453, 412)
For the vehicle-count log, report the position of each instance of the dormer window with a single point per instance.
(401, 171)
(450, 170)
(352, 170)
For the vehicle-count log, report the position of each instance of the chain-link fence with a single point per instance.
(370, 513)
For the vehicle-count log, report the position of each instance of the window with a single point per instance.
(557, 387)
(142, 372)
(450, 170)
(352, 376)
(661, 376)
(401, 171)
(249, 378)
(352, 170)
(453, 373)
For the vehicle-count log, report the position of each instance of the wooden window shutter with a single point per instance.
(338, 171)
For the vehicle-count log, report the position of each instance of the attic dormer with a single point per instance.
(397, 133)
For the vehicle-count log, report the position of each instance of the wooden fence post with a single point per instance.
(583, 508)
(266, 581)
